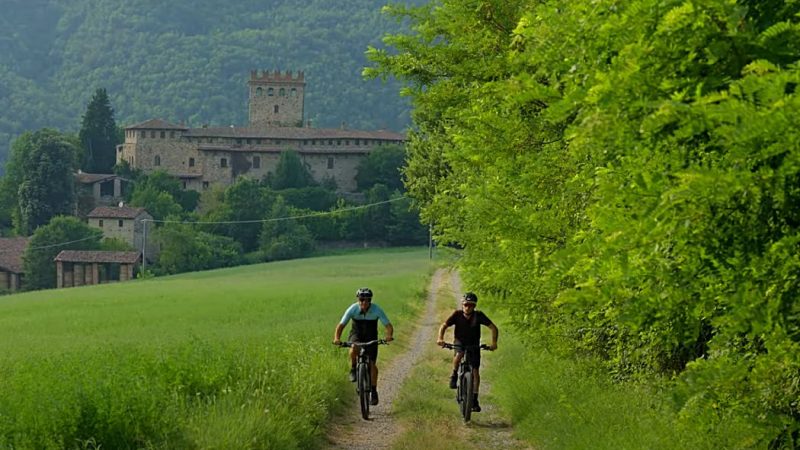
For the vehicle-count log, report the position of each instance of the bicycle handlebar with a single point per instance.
(363, 344)
(450, 346)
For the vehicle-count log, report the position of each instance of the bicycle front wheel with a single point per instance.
(467, 396)
(364, 389)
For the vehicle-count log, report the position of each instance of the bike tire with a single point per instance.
(467, 397)
(364, 389)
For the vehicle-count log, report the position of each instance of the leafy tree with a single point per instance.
(291, 172)
(404, 227)
(159, 204)
(245, 201)
(62, 233)
(284, 239)
(185, 249)
(99, 135)
(39, 179)
(382, 166)
(628, 169)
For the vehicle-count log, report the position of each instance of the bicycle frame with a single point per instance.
(465, 387)
(363, 373)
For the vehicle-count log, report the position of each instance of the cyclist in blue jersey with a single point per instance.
(365, 316)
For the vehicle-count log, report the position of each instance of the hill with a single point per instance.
(187, 60)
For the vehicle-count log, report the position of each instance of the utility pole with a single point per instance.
(144, 245)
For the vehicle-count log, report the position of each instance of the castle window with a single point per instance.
(305, 142)
(157, 161)
(256, 162)
(100, 223)
(223, 162)
(339, 142)
(358, 142)
(294, 92)
(347, 142)
(313, 142)
(191, 162)
(282, 92)
(259, 92)
(270, 92)
(330, 142)
(238, 141)
(172, 135)
(119, 222)
(330, 162)
(142, 133)
(153, 134)
(163, 134)
(276, 109)
(205, 184)
(184, 185)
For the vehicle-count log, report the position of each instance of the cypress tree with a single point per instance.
(98, 135)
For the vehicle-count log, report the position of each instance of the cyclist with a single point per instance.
(365, 316)
(467, 332)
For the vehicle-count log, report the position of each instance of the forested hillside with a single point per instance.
(185, 60)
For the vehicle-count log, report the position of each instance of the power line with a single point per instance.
(277, 219)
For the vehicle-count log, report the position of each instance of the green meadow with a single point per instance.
(233, 358)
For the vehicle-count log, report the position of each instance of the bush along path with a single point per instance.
(417, 408)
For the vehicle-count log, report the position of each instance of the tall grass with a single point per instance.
(234, 358)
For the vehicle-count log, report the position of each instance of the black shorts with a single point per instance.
(474, 356)
(372, 350)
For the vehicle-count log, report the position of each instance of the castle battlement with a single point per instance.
(277, 75)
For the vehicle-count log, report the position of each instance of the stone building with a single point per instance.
(86, 267)
(122, 222)
(96, 189)
(11, 267)
(203, 156)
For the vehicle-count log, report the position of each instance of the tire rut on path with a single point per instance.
(350, 431)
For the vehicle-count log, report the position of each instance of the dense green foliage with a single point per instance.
(382, 166)
(39, 181)
(227, 359)
(61, 233)
(187, 60)
(626, 175)
(99, 135)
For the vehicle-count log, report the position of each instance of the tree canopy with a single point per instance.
(99, 135)
(626, 175)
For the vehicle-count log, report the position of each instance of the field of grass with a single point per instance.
(233, 358)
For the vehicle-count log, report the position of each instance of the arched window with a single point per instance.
(270, 92)
(157, 161)
(282, 92)
(259, 92)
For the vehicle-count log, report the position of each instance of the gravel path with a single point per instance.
(488, 429)
(350, 431)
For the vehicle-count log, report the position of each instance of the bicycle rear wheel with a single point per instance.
(467, 396)
(364, 389)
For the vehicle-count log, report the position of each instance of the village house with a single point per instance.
(11, 268)
(123, 223)
(203, 156)
(95, 189)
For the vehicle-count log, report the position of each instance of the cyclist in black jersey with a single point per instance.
(467, 332)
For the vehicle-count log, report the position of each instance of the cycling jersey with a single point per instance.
(365, 325)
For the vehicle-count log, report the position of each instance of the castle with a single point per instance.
(200, 157)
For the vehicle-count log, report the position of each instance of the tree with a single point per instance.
(62, 233)
(99, 135)
(284, 238)
(185, 249)
(382, 166)
(39, 181)
(291, 172)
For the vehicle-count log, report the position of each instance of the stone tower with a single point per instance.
(276, 99)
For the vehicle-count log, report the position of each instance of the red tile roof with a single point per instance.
(97, 256)
(11, 250)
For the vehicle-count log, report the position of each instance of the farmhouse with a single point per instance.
(203, 156)
(121, 222)
(11, 269)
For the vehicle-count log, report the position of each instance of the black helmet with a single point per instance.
(470, 297)
(364, 293)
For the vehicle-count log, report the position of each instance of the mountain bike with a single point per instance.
(363, 376)
(465, 387)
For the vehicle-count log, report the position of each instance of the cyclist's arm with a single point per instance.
(440, 339)
(389, 332)
(337, 334)
(495, 332)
